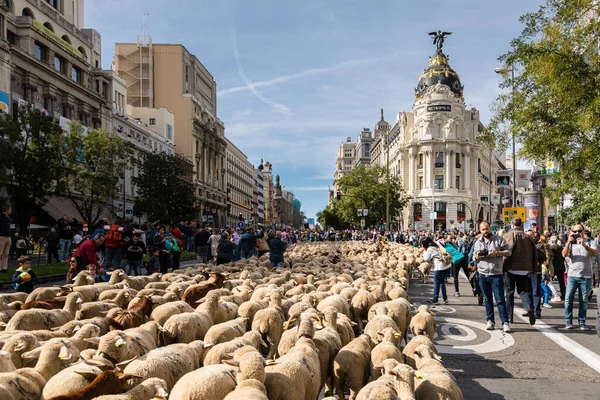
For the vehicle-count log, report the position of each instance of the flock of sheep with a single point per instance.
(331, 322)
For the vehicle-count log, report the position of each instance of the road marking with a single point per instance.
(469, 337)
(498, 340)
(443, 309)
(586, 355)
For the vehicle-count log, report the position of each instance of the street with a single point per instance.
(533, 362)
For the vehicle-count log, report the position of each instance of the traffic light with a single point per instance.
(338, 196)
(470, 223)
(518, 203)
(241, 217)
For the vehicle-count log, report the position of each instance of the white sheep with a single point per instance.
(187, 327)
(423, 323)
(212, 382)
(386, 348)
(163, 312)
(351, 367)
(250, 378)
(152, 388)
(219, 352)
(29, 320)
(225, 331)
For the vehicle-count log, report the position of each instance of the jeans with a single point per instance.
(546, 291)
(247, 253)
(64, 247)
(4, 250)
(203, 254)
(438, 282)
(191, 244)
(537, 292)
(236, 255)
(524, 289)
(584, 285)
(135, 265)
(114, 254)
(493, 284)
(276, 264)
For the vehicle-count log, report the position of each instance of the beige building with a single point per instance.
(268, 193)
(240, 184)
(344, 162)
(168, 76)
(48, 60)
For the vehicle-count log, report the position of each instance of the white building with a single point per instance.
(239, 175)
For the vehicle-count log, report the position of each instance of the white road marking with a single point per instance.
(469, 337)
(586, 355)
(443, 309)
(498, 340)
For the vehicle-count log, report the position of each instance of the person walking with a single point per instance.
(489, 250)
(160, 240)
(5, 240)
(225, 249)
(433, 257)
(114, 244)
(558, 261)
(202, 246)
(459, 262)
(263, 246)
(134, 253)
(247, 245)
(213, 241)
(52, 245)
(65, 236)
(579, 253)
(518, 268)
(277, 248)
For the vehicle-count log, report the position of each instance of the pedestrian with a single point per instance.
(114, 243)
(77, 239)
(21, 247)
(519, 268)
(549, 291)
(459, 262)
(236, 240)
(153, 265)
(277, 248)
(160, 240)
(489, 250)
(433, 257)
(177, 247)
(13, 245)
(93, 270)
(5, 240)
(558, 261)
(87, 250)
(76, 265)
(202, 246)
(225, 249)
(134, 253)
(65, 237)
(247, 244)
(579, 253)
(213, 241)
(52, 249)
(24, 277)
(263, 246)
(109, 268)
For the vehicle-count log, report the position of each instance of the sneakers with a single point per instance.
(584, 327)
(446, 301)
(435, 302)
(506, 328)
(456, 294)
(546, 305)
(490, 326)
(569, 326)
(555, 299)
(531, 317)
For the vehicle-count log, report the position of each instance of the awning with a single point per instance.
(36, 226)
(57, 207)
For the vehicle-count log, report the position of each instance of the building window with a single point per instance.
(460, 211)
(420, 183)
(40, 52)
(11, 37)
(75, 74)
(170, 134)
(439, 159)
(59, 64)
(420, 161)
(457, 182)
(152, 121)
(53, 3)
(439, 182)
(458, 160)
(418, 212)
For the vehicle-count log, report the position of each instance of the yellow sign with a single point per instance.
(512, 212)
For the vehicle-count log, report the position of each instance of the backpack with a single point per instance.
(445, 256)
(113, 236)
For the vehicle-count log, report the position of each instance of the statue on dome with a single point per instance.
(438, 38)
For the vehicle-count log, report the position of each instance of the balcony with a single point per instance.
(439, 165)
(419, 167)
(458, 165)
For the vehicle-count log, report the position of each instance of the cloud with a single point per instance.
(281, 108)
(307, 189)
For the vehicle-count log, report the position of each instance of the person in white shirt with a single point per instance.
(236, 240)
(77, 239)
(432, 256)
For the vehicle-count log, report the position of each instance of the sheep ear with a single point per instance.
(207, 345)
(64, 353)
(271, 362)
(233, 363)
(419, 375)
(201, 301)
(94, 340)
(227, 356)
(32, 354)
(126, 377)
(96, 363)
(90, 376)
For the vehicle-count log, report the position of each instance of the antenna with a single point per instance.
(144, 15)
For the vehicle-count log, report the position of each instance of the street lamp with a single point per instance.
(504, 71)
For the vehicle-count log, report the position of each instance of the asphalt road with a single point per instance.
(533, 362)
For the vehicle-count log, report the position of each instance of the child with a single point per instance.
(24, 276)
(110, 267)
(91, 268)
(152, 265)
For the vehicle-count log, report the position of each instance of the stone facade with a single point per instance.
(240, 185)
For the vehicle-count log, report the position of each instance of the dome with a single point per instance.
(439, 71)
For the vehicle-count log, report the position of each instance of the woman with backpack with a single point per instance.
(433, 256)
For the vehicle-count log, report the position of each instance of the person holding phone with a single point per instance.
(134, 253)
(579, 253)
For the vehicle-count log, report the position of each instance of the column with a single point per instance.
(467, 169)
(411, 170)
(448, 184)
(431, 168)
(427, 170)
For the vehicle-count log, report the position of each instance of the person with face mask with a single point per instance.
(489, 250)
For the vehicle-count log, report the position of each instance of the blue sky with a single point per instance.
(296, 77)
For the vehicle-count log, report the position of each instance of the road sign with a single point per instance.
(246, 222)
(362, 222)
(240, 224)
(85, 226)
(433, 215)
(363, 212)
(512, 212)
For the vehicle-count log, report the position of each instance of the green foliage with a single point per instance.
(366, 184)
(94, 164)
(163, 193)
(31, 161)
(553, 103)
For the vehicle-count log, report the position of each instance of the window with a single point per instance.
(458, 160)
(170, 134)
(59, 64)
(460, 212)
(152, 121)
(40, 52)
(440, 207)
(439, 182)
(420, 162)
(53, 3)
(418, 212)
(75, 74)
(457, 182)
(347, 161)
(11, 37)
(439, 159)
(420, 183)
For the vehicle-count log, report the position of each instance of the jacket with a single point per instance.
(4, 226)
(277, 248)
(491, 265)
(202, 238)
(248, 241)
(456, 255)
(23, 286)
(524, 253)
(225, 250)
(557, 258)
(137, 251)
(87, 252)
(432, 256)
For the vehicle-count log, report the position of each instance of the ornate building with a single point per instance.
(240, 186)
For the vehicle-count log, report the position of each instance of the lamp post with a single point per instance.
(504, 71)
(387, 177)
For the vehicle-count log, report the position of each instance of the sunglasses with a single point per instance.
(579, 231)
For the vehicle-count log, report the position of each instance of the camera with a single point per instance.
(484, 253)
(576, 236)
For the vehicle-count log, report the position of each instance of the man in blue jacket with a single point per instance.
(247, 244)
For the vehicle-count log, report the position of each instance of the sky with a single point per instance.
(296, 77)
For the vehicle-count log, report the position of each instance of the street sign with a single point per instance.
(246, 222)
(363, 212)
(512, 212)
(240, 224)
(433, 215)
(362, 222)
(85, 226)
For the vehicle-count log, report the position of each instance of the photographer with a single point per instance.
(134, 252)
(579, 254)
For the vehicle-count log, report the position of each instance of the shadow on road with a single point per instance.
(468, 369)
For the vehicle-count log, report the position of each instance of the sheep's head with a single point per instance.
(387, 365)
(389, 335)
(251, 366)
(425, 353)
(306, 327)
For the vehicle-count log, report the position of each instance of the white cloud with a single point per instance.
(307, 189)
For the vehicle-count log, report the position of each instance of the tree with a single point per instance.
(94, 164)
(163, 192)
(553, 105)
(31, 161)
(368, 184)
(329, 219)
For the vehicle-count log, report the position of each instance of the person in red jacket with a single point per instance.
(87, 250)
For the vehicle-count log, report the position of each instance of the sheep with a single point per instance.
(41, 294)
(351, 367)
(118, 346)
(29, 320)
(196, 292)
(163, 312)
(86, 337)
(404, 381)
(269, 323)
(213, 382)
(6, 364)
(437, 382)
(423, 323)
(152, 388)
(187, 327)
(218, 353)
(387, 348)
(94, 309)
(71, 327)
(328, 343)
(380, 321)
(409, 351)
(107, 382)
(168, 363)
(336, 301)
(70, 379)
(360, 305)
(219, 311)
(249, 309)
(295, 376)
(424, 268)
(18, 344)
(250, 378)
(225, 331)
